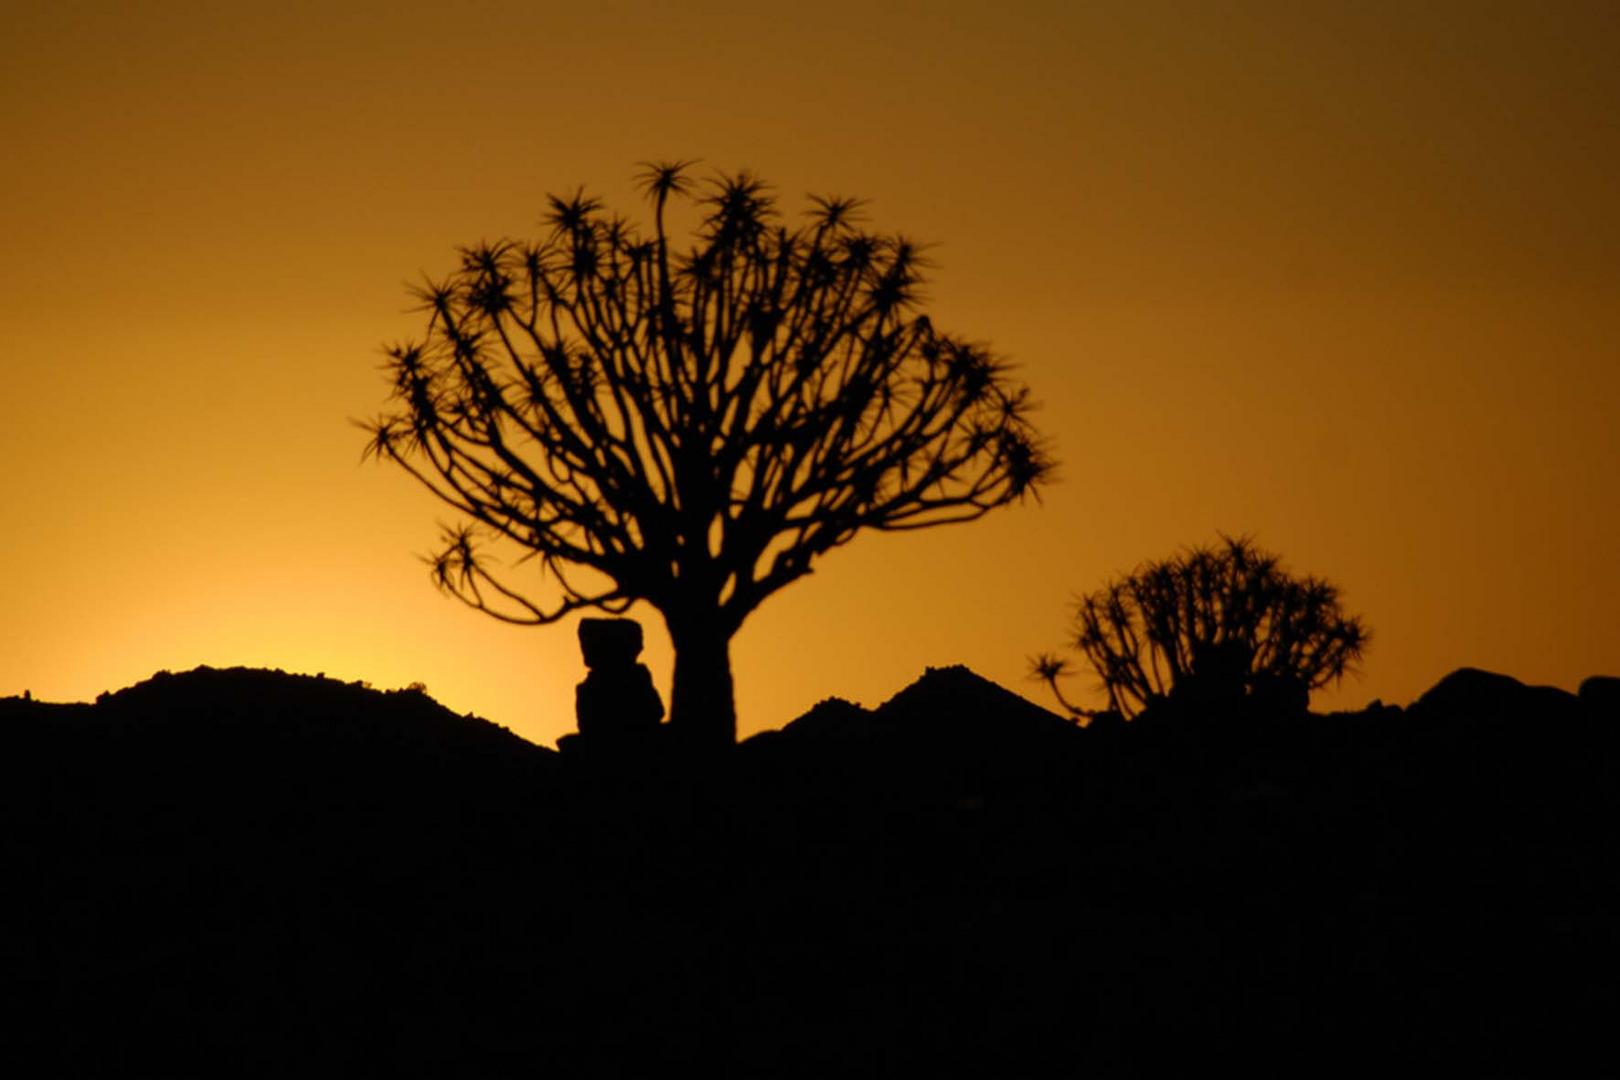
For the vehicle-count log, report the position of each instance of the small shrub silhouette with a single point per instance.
(1215, 625)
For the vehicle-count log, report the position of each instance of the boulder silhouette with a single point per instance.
(617, 699)
(1487, 693)
(1600, 696)
(609, 643)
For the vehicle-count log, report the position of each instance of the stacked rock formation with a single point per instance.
(617, 699)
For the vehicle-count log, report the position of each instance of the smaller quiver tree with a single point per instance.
(1215, 625)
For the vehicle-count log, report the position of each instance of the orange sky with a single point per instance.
(1345, 278)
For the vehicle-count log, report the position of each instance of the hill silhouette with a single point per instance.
(268, 873)
(950, 703)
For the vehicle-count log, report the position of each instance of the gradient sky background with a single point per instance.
(1344, 276)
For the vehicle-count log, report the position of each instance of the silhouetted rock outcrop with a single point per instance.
(1484, 693)
(1600, 695)
(956, 699)
(835, 718)
(617, 700)
(946, 704)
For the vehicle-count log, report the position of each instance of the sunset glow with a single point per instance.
(1347, 281)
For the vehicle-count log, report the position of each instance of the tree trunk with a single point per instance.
(701, 706)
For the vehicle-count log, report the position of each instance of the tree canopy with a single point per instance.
(1218, 623)
(691, 426)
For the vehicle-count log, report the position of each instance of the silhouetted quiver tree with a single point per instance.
(692, 428)
(1214, 624)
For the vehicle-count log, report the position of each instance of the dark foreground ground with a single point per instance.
(278, 875)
